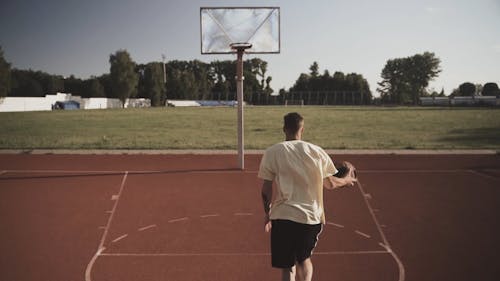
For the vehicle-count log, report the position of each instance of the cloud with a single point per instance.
(496, 48)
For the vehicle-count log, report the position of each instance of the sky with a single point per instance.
(74, 37)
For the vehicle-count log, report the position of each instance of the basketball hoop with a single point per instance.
(229, 30)
(240, 46)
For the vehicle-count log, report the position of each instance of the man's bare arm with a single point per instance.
(332, 182)
(267, 195)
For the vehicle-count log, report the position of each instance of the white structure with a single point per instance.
(12, 104)
(195, 103)
(177, 103)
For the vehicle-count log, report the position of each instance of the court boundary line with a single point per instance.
(101, 248)
(483, 175)
(233, 254)
(112, 214)
(386, 244)
(134, 172)
(131, 172)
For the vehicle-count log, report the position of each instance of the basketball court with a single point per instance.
(199, 217)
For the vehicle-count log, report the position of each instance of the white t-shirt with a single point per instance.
(298, 168)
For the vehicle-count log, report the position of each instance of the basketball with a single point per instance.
(344, 168)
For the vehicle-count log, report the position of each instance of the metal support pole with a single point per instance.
(239, 92)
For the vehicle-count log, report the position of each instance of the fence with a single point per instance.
(328, 97)
(460, 101)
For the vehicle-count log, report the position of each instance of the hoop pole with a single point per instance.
(239, 92)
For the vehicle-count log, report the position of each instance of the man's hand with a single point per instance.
(345, 169)
(267, 223)
(346, 176)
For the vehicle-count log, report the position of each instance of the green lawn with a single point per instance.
(215, 128)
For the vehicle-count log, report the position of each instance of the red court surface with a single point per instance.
(197, 217)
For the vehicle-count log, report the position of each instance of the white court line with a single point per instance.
(231, 254)
(110, 219)
(131, 172)
(398, 261)
(146, 227)
(351, 252)
(335, 224)
(119, 238)
(384, 245)
(482, 175)
(243, 214)
(88, 270)
(209, 215)
(375, 220)
(96, 172)
(362, 234)
(427, 171)
(179, 219)
(101, 248)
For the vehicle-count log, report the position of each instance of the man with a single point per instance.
(296, 216)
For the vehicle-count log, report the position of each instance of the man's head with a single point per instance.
(293, 126)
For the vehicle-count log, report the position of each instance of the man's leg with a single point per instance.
(304, 265)
(288, 274)
(305, 270)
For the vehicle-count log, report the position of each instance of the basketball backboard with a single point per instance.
(222, 27)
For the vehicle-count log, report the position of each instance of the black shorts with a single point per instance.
(292, 242)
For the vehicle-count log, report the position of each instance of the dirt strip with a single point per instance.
(233, 152)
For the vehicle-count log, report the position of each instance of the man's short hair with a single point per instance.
(292, 122)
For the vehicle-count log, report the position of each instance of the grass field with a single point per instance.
(215, 128)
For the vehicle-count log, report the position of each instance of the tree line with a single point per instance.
(192, 80)
(404, 81)
(314, 88)
(470, 89)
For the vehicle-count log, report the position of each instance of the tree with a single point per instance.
(314, 68)
(93, 88)
(202, 78)
(25, 83)
(154, 87)
(404, 79)
(5, 76)
(105, 81)
(221, 85)
(74, 85)
(258, 85)
(55, 84)
(441, 94)
(423, 68)
(326, 89)
(124, 79)
(490, 89)
(467, 89)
